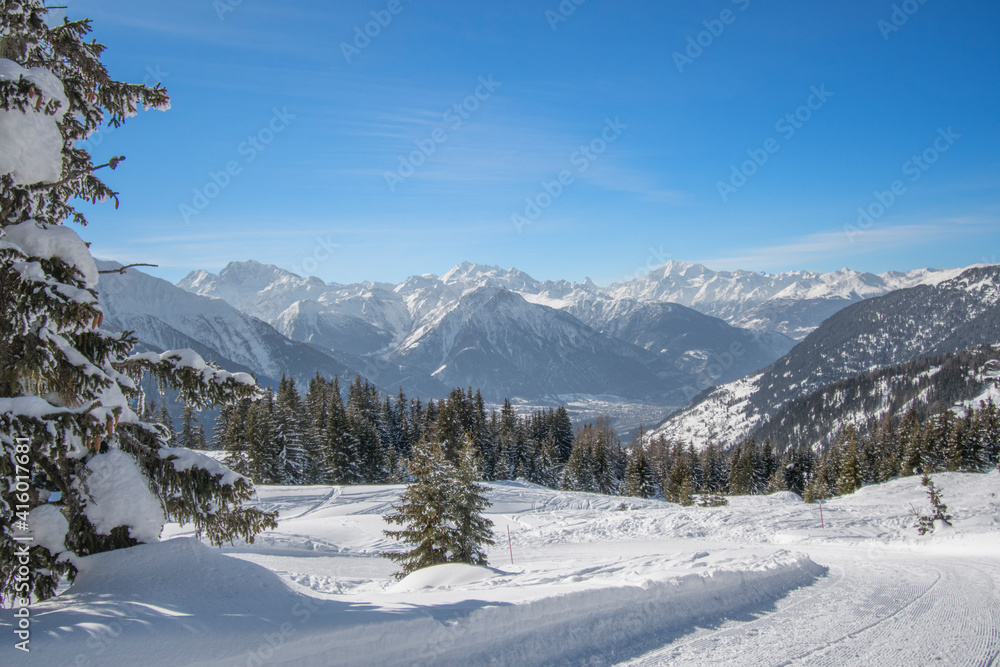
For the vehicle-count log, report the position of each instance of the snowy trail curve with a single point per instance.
(898, 610)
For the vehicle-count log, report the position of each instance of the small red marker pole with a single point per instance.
(509, 545)
(821, 524)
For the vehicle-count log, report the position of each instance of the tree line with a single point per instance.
(889, 447)
(365, 437)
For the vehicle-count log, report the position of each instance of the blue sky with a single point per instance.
(293, 140)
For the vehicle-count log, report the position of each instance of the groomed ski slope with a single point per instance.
(758, 582)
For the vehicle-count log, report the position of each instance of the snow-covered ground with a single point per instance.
(593, 581)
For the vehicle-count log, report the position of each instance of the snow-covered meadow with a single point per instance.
(594, 580)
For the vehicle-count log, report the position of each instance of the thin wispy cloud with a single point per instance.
(844, 244)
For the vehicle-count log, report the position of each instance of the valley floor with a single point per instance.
(593, 582)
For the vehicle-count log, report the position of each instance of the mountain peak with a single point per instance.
(470, 272)
(676, 267)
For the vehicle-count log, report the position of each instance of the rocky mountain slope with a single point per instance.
(900, 327)
(165, 317)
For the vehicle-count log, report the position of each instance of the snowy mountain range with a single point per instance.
(900, 327)
(659, 340)
(793, 303)
(499, 330)
(164, 317)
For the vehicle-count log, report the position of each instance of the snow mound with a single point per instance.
(445, 576)
(181, 576)
(784, 498)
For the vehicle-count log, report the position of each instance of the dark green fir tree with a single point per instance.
(425, 512)
(71, 390)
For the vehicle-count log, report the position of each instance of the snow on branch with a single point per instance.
(200, 382)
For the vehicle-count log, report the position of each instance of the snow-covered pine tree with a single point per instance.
(391, 435)
(317, 404)
(474, 531)
(777, 482)
(187, 436)
(682, 480)
(218, 441)
(231, 437)
(935, 440)
(766, 465)
(415, 425)
(340, 450)
(164, 419)
(831, 465)
(989, 434)
(363, 407)
(869, 458)
(577, 474)
(608, 457)
(713, 465)
(290, 431)
(451, 425)
(79, 459)
(741, 468)
(265, 454)
(401, 428)
(489, 436)
(961, 448)
(911, 444)
(509, 442)
(562, 432)
(639, 481)
(425, 512)
(889, 452)
(548, 470)
(849, 479)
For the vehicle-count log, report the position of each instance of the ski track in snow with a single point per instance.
(865, 613)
